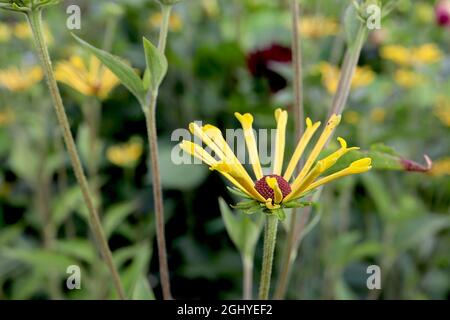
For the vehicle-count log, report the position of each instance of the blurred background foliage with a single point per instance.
(224, 56)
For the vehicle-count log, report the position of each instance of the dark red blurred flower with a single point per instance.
(259, 64)
(442, 11)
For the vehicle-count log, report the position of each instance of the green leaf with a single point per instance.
(238, 192)
(156, 66)
(39, 258)
(243, 205)
(297, 204)
(124, 72)
(137, 270)
(142, 290)
(79, 249)
(65, 204)
(116, 215)
(243, 231)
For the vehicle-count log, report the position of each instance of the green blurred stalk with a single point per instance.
(247, 281)
(35, 21)
(289, 254)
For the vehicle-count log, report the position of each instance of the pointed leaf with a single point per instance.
(124, 72)
(156, 66)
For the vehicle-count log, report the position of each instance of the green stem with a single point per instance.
(270, 236)
(347, 71)
(152, 135)
(247, 282)
(35, 21)
(299, 127)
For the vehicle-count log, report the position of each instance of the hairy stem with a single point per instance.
(35, 21)
(150, 118)
(270, 236)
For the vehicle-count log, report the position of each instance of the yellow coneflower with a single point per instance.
(175, 21)
(425, 54)
(22, 31)
(440, 167)
(408, 78)
(275, 190)
(6, 117)
(15, 79)
(125, 154)
(442, 109)
(317, 27)
(363, 77)
(377, 115)
(91, 79)
(351, 117)
(5, 32)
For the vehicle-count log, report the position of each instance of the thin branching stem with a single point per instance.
(35, 21)
(150, 118)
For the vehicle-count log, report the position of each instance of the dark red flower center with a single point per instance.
(263, 188)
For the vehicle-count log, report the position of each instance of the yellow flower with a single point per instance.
(125, 154)
(277, 189)
(18, 80)
(175, 22)
(317, 27)
(363, 76)
(424, 12)
(91, 79)
(351, 117)
(440, 167)
(442, 109)
(378, 115)
(23, 31)
(407, 78)
(6, 117)
(211, 7)
(425, 54)
(5, 32)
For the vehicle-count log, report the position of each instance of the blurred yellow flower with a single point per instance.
(5, 189)
(330, 76)
(5, 32)
(442, 109)
(317, 27)
(440, 167)
(351, 117)
(15, 79)
(175, 22)
(91, 79)
(407, 78)
(125, 154)
(424, 12)
(378, 115)
(425, 54)
(211, 7)
(6, 117)
(23, 31)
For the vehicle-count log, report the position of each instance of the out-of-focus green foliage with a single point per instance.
(392, 218)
